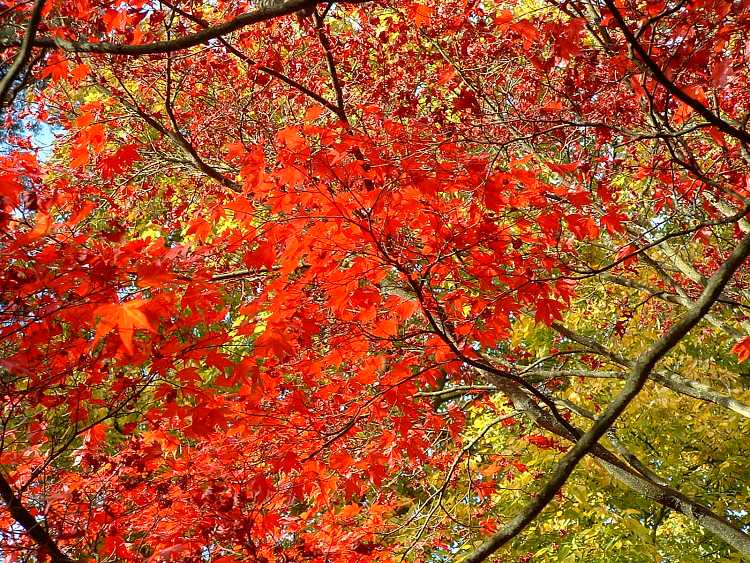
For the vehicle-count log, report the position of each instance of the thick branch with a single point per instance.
(266, 12)
(24, 53)
(638, 377)
(26, 520)
(673, 381)
(632, 478)
(671, 87)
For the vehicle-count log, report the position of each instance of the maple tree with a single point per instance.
(296, 280)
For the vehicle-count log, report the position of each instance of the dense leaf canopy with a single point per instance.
(292, 280)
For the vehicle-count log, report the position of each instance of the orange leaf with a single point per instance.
(39, 230)
(313, 113)
(385, 328)
(548, 310)
(126, 317)
(742, 349)
(422, 15)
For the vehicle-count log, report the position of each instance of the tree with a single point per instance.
(369, 281)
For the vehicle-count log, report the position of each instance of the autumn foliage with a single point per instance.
(307, 281)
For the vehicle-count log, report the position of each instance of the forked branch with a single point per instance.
(638, 376)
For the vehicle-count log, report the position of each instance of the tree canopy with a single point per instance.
(373, 281)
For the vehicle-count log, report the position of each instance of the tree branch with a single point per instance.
(24, 53)
(34, 528)
(673, 381)
(632, 478)
(181, 141)
(671, 87)
(633, 385)
(331, 63)
(261, 68)
(264, 13)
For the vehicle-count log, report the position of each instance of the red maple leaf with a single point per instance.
(126, 317)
